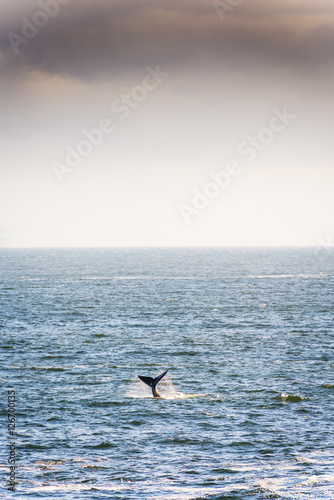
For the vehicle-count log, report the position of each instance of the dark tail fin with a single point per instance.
(152, 382)
(157, 379)
(146, 380)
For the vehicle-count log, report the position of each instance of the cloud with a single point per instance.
(104, 39)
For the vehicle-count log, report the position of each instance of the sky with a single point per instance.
(166, 123)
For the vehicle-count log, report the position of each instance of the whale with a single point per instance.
(152, 382)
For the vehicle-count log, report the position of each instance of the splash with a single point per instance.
(292, 398)
(166, 387)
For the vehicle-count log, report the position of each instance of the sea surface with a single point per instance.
(248, 406)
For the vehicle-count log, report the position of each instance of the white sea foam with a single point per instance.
(166, 388)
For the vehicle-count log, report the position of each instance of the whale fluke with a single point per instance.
(152, 382)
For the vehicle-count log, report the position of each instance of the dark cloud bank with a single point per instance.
(89, 40)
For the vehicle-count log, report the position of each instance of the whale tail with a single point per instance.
(152, 382)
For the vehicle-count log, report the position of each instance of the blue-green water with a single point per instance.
(247, 335)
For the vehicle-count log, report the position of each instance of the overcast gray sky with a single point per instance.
(215, 120)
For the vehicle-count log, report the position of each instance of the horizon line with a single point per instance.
(158, 246)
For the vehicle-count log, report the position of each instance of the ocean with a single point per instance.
(248, 401)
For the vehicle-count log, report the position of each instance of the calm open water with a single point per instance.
(247, 335)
